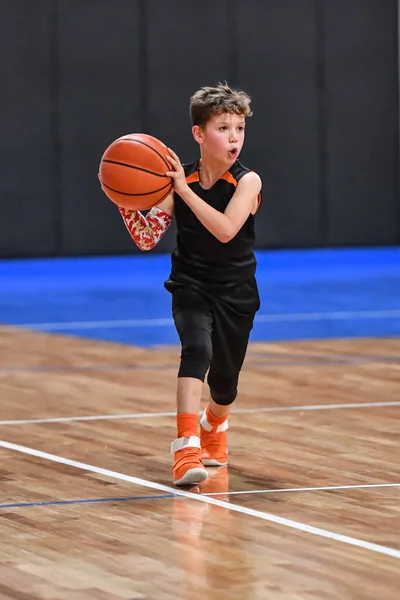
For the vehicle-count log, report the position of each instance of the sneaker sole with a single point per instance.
(192, 477)
(211, 462)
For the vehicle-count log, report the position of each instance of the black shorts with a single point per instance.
(226, 313)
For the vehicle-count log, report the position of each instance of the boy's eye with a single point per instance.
(241, 128)
(222, 128)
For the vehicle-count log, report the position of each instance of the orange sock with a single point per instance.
(212, 419)
(187, 425)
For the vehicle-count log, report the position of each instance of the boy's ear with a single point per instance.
(197, 134)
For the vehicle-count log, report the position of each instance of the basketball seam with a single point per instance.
(143, 194)
(151, 148)
(116, 162)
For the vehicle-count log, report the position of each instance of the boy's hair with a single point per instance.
(210, 101)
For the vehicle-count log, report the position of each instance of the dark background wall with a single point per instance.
(78, 74)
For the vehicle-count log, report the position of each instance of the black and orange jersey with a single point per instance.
(199, 255)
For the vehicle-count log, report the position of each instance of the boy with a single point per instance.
(212, 280)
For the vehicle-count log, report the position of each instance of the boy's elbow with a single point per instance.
(225, 233)
(145, 245)
(226, 237)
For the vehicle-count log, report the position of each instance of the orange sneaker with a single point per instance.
(188, 468)
(213, 440)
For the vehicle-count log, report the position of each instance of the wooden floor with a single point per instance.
(308, 508)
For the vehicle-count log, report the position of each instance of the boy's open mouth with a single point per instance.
(233, 152)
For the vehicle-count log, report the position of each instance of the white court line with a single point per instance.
(207, 500)
(238, 411)
(316, 407)
(310, 489)
(166, 322)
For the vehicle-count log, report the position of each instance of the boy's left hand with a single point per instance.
(178, 174)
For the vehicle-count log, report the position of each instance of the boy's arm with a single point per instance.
(147, 231)
(224, 226)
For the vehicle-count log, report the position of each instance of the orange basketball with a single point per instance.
(132, 171)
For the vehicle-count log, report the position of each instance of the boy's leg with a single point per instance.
(230, 340)
(193, 320)
(188, 395)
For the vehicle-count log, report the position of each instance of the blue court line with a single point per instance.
(90, 501)
(259, 318)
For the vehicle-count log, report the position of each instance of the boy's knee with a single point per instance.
(223, 389)
(196, 354)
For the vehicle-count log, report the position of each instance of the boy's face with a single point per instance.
(222, 138)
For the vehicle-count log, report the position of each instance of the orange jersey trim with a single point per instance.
(192, 178)
(229, 178)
